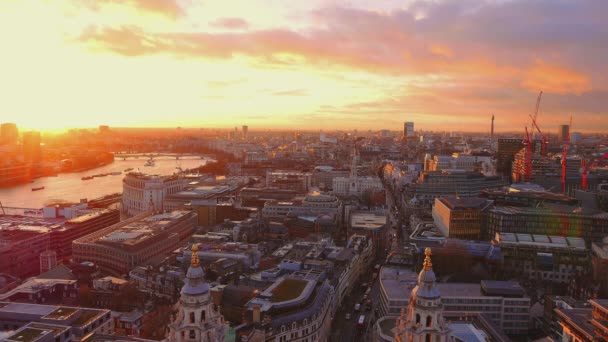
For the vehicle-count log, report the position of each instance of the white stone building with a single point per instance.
(146, 193)
(198, 318)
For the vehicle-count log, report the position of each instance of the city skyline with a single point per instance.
(318, 64)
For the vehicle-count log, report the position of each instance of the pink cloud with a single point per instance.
(231, 23)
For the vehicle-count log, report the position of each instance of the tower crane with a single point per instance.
(528, 162)
(586, 169)
(565, 156)
(543, 138)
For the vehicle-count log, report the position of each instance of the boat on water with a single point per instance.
(128, 169)
(150, 162)
(38, 188)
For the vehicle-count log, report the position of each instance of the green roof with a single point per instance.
(86, 317)
(27, 335)
(288, 289)
(61, 313)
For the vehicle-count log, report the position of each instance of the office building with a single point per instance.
(9, 134)
(141, 240)
(460, 217)
(48, 260)
(195, 195)
(431, 185)
(42, 323)
(256, 197)
(311, 204)
(356, 186)
(146, 193)
(32, 151)
(502, 302)
(72, 229)
(245, 131)
(198, 317)
(59, 285)
(323, 177)
(562, 133)
(408, 129)
(599, 260)
(20, 248)
(289, 180)
(506, 150)
(576, 138)
(556, 221)
(545, 258)
(374, 225)
(584, 324)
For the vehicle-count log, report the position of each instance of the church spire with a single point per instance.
(424, 319)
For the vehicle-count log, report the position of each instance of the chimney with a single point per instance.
(257, 308)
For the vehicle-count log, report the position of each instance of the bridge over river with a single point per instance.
(124, 156)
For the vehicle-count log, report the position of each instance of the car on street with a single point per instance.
(347, 317)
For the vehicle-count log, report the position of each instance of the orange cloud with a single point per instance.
(555, 79)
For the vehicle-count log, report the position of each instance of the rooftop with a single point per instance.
(578, 318)
(541, 240)
(462, 203)
(502, 288)
(459, 290)
(89, 216)
(367, 220)
(397, 282)
(288, 289)
(61, 313)
(28, 334)
(140, 230)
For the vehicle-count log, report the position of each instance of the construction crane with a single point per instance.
(586, 169)
(544, 140)
(528, 162)
(565, 156)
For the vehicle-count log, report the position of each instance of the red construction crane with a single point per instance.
(528, 163)
(544, 140)
(565, 156)
(586, 169)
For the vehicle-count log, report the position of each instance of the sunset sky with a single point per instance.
(312, 64)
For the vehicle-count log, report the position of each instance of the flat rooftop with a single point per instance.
(32, 309)
(463, 203)
(138, 231)
(397, 282)
(502, 288)
(29, 334)
(367, 220)
(89, 216)
(541, 240)
(459, 290)
(287, 289)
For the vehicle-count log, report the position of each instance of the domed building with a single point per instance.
(197, 318)
(424, 320)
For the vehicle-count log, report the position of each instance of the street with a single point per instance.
(348, 330)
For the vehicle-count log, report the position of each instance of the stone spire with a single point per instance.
(424, 318)
(198, 318)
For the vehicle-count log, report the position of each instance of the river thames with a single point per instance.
(70, 187)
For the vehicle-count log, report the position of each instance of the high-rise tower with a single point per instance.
(492, 129)
(197, 319)
(423, 321)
